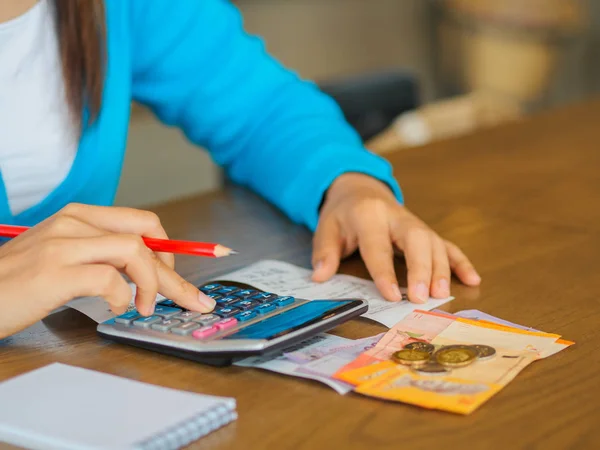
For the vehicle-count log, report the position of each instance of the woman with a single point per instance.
(69, 71)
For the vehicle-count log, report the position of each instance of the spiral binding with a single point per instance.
(184, 433)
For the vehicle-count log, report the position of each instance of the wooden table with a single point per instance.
(522, 200)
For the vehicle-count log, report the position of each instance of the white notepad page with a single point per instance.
(65, 407)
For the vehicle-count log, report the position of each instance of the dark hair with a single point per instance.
(81, 30)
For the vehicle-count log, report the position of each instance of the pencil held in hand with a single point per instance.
(207, 249)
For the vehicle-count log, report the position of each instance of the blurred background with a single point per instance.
(405, 72)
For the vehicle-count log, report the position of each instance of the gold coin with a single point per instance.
(421, 346)
(456, 356)
(410, 357)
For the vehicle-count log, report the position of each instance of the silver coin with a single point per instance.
(421, 346)
(432, 368)
(485, 352)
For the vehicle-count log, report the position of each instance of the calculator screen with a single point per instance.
(293, 319)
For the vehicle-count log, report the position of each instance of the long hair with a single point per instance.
(81, 30)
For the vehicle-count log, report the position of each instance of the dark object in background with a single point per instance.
(371, 102)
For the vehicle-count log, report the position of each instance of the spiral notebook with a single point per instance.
(65, 407)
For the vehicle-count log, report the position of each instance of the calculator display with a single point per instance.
(292, 320)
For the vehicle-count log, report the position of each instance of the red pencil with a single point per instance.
(158, 245)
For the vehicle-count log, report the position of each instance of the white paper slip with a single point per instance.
(97, 308)
(283, 364)
(286, 279)
(61, 407)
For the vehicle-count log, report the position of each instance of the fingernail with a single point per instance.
(397, 292)
(206, 301)
(421, 292)
(151, 308)
(476, 278)
(318, 266)
(444, 287)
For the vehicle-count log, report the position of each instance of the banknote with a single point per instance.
(317, 358)
(459, 389)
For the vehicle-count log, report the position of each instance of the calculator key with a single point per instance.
(215, 297)
(228, 311)
(209, 287)
(166, 311)
(284, 301)
(204, 332)
(226, 324)
(185, 328)
(127, 318)
(145, 322)
(207, 319)
(245, 316)
(227, 290)
(263, 297)
(165, 325)
(265, 308)
(167, 303)
(228, 300)
(186, 316)
(245, 304)
(246, 293)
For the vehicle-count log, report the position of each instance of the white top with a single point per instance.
(38, 139)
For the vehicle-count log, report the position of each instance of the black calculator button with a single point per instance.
(145, 322)
(227, 290)
(245, 316)
(185, 328)
(210, 287)
(246, 304)
(166, 311)
(127, 318)
(283, 301)
(207, 319)
(228, 311)
(167, 303)
(186, 316)
(227, 300)
(263, 297)
(265, 308)
(245, 293)
(165, 325)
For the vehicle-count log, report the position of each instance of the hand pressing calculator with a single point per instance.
(245, 322)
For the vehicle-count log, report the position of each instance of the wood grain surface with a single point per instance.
(522, 200)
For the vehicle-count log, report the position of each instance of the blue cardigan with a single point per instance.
(192, 63)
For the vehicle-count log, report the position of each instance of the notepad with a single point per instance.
(64, 407)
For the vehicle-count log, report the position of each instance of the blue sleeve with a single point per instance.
(197, 69)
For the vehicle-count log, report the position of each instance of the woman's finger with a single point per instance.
(418, 253)
(123, 221)
(181, 291)
(327, 250)
(126, 253)
(440, 279)
(461, 265)
(99, 280)
(376, 249)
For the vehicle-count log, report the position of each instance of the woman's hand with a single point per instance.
(83, 251)
(362, 213)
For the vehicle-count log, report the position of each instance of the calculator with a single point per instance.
(245, 322)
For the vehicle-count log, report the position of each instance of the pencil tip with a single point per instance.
(233, 252)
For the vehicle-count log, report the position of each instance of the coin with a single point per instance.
(485, 352)
(431, 368)
(410, 357)
(421, 346)
(456, 356)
